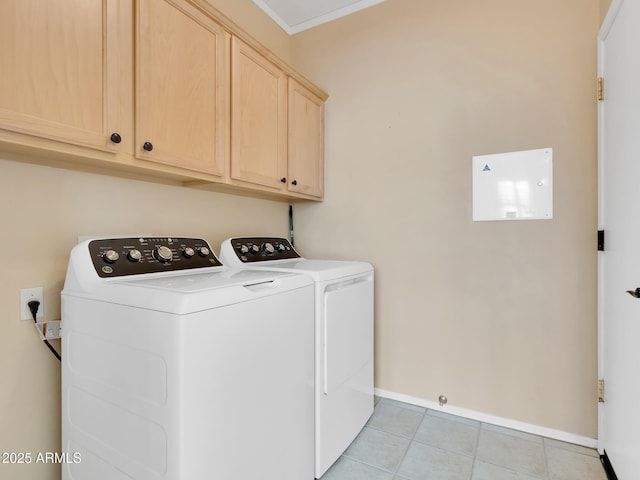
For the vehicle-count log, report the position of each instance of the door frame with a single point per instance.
(607, 24)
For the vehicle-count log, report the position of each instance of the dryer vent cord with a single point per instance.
(33, 307)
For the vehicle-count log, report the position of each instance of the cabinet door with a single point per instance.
(258, 119)
(59, 69)
(182, 88)
(306, 141)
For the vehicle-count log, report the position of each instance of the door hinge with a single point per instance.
(601, 391)
(601, 240)
(600, 88)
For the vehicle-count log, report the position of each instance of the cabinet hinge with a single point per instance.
(601, 240)
(600, 88)
(601, 390)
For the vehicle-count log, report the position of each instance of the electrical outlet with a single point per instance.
(26, 295)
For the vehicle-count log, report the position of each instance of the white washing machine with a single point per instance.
(343, 337)
(175, 367)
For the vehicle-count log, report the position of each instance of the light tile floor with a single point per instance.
(406, 442)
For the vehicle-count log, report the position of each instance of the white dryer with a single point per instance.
(343, 337)
(175, 367)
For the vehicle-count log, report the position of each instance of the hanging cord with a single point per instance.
(33, 307)
(291, 224)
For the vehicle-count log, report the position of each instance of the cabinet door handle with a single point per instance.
(283, 179)
(115, 137)
(294, 183)
(148, 146)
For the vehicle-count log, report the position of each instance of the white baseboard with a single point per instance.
(492, 419)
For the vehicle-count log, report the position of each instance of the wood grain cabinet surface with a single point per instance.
(258, 119)
(59, 67)
(305, 141)
(158, 88)
(182, 87)
(276, 128)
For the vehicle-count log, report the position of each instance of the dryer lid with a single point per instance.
(320, 270)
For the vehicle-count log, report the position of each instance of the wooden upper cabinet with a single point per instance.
(59, 69)
(163, 87)
(258, 119)
(182, 87)
(305, 141)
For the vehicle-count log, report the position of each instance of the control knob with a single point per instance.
(111, 256)
(254, 248)
(134, 255)
(281, 247)
(204, 251)
(188, 252)
(268, 248)
(163, 254)
(244, 249)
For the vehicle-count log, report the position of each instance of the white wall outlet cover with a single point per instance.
(26, 295)
(513, 186)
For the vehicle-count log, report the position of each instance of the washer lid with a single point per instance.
(193, 292)
(202, 282)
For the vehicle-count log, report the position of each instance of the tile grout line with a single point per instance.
(366, 425)
(514, 470)
(377, 467)
(475, 451)
(357, 460)
(414, 441)
(424, 414)
(544, 453)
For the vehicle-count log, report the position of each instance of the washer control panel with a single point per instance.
(261, 249)
(116, 257)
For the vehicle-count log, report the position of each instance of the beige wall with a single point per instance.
(42, 211)
(498, 316)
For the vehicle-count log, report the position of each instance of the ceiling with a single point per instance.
(297, 15)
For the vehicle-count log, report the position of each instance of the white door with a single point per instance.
(619, 211)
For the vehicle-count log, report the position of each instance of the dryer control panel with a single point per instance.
(261, 249)
(116, 257)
